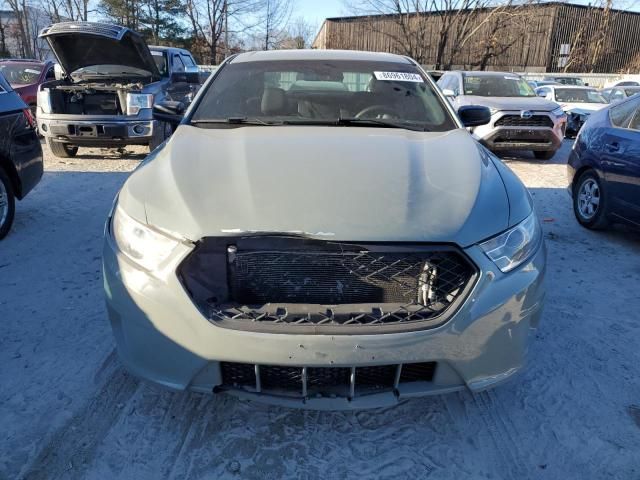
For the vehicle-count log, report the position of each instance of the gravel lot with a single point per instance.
(69, 410)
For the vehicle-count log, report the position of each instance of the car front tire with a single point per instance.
(543, 154)
(590, 202)
(7, 204)
(62, 150)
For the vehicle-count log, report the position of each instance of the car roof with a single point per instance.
(162, 48)
(482, 73)
(571, 87)
(275, 55)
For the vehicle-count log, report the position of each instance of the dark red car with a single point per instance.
(25, 76)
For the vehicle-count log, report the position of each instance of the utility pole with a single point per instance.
(226, 29)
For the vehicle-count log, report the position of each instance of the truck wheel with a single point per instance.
(543, 155)
(160, 134)
(7, 204)
(62, 150)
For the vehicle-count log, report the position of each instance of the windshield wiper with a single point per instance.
(374, 122)
(234, 121)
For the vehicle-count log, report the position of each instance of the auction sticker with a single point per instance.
(399, 76)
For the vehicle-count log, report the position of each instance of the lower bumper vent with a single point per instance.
(308, 382)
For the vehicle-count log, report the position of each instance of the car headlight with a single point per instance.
(146, 247)
(138, 101)
(513, 247)
(558, 112)
(44, 100)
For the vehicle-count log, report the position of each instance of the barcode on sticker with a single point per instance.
(399, 76)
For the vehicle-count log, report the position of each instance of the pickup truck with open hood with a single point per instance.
(107, 84)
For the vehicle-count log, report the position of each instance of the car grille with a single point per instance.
(307, 382)
(283, 282)
(518, 121)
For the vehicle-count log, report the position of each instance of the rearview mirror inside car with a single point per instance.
(169, 111)
(474, 115)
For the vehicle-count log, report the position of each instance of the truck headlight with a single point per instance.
(138, 101)
(513, 247)
(147, 247)
(558, 112)
(44, 100)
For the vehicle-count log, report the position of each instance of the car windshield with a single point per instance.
(323, 92)
(21, 73)
(161, 61)
(578, 95)
(497, 86)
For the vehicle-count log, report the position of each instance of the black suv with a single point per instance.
(20, 153)
(109, 81)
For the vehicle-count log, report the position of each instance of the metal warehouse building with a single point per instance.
(552, 37)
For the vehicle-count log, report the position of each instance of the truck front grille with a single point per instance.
(517, 121)
(286, 282)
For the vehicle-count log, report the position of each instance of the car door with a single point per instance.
(621, 159)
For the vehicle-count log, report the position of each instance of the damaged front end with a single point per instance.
(290, 284)
(576, 118)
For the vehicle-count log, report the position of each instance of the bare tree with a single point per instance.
(21, 13)
(211, 21)
(299, 34)
(274, 19)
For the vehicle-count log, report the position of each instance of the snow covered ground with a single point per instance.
(68, 409)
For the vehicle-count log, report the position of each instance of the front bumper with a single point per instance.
(501, 138)
(162, 337)
(98, 131)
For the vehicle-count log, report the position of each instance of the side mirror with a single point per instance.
(586, 84)
(474, 115)
(447, 92)
(169, 111)
(190, 75)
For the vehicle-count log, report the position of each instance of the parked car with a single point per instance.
(576, 81)
(604, 167)
(111, 80)
(25, 76)
(616, 94)
(321, 231)
(577, 102)
(20, 154)
(625, 83)
(541, 83)
(520, 119)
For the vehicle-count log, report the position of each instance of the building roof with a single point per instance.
(272, 55)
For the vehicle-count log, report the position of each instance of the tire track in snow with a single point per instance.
(70, 449)
(500, 429)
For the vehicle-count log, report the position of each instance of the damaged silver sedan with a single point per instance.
(321, 231)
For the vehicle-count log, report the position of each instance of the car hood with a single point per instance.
(509, 103)
(583, 107)
(84, 44)
(336, 183)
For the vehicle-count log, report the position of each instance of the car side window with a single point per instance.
(188, 61)
(617, 94)
(635, 121)
(622, 114)
(177, 64)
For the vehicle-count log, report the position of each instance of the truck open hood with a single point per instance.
(335, 183)
(84, 44)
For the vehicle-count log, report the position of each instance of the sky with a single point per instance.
(315, 11)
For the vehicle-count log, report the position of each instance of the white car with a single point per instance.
(577, 102)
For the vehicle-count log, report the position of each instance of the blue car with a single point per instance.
(604, 167)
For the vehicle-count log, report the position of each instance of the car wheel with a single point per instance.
(62, 150)
(7, 204)
(163, 132)
(544, 155)
(589, 201)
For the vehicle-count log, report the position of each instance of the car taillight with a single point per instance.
(28, 116)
